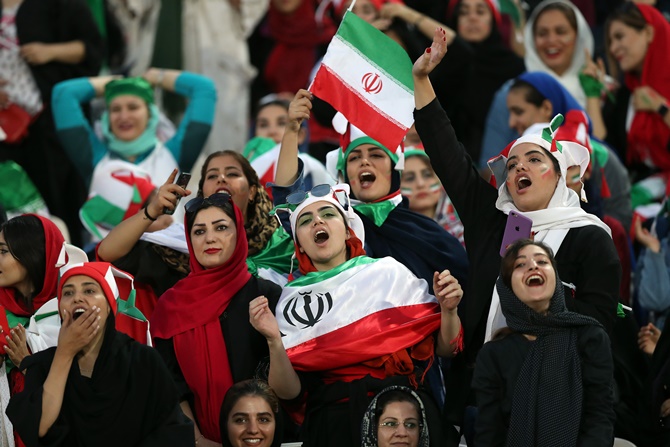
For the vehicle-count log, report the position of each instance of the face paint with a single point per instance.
(544, 170)
(435, 187)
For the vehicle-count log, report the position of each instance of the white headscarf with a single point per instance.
(584, 39)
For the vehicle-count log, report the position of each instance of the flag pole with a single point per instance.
(351, 6)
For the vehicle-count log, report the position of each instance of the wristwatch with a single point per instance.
(663, 110)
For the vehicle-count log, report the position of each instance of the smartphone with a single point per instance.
(182, 181)
(517, 227)
(5, 330)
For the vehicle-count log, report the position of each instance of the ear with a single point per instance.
(302, 250)
(547, 109)
(252, 193)
(348, 235)
(649, 31)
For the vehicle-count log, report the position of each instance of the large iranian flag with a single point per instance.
(367, 77)
(361, 310)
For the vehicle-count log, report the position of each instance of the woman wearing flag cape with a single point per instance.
(352, 325)
(532, 182)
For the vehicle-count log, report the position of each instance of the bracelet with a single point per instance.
(146, 214)
(199, 438)
(662, 110)
(159, 79)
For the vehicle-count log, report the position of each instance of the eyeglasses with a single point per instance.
(394, 425)
(217, 199)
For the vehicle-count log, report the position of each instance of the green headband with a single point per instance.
(416, 152)
(129, 86)
(342, 160)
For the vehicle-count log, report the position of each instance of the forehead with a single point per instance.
(403, 410)
(272, 111)
(522, 149)
(210, 214)
(315, 207)
(223, 162)
(124, 100)
(251, 404)
(552, 18)
(618, 25)
(532, 251)
(475, 3)
(77, 280)
(517, 96)
(367, 148)
(416, 163)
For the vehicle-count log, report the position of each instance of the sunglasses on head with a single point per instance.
(218, 199)
(298, 197)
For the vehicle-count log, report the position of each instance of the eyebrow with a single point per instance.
(88, 283)
(241, 413)
(531, 152)
(213, 223)
(535, 255)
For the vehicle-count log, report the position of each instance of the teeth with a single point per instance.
(523, 182)
(534, 279)
(552, 51)
(367, 177)
(79, 311)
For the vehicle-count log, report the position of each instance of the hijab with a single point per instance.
(189, 314)
(370, 424)
(648, 136)
(53, 244)
(584, 40)
(547, 401)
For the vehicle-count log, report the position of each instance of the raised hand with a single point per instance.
(447, 291)
(74, 335)
(262, 319)
(299, 109)
(17, 346)
(430, 58)
(166, 196)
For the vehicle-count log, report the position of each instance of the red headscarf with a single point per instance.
(189, 314)
(53, 243)
(649, 135)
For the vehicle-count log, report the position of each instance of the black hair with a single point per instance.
(531, 94)
(507, 264)
(251, 387)
(25, 239)
(226, 207)
(628, 14)
(396, 396)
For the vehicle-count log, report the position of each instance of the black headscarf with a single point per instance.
(370, 424)
(129, 400)
(547, 402)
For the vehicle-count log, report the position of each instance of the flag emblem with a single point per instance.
(311, 310)
(372, 83)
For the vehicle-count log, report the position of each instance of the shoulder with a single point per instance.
(590, 238)
(592, 337)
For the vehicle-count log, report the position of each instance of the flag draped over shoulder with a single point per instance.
(361, 310)
(367, 77)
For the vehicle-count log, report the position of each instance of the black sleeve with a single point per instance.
(594, 269)
(271, 291)
(25, 408)
(489, 387)
(597, 425)
(165, 348)
(472, 196)
(77, 23)
(171, 428)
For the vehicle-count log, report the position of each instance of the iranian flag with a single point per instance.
(361, 310)
(367, 77)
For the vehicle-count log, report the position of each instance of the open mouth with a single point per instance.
(78, 312)
(523, 183)
(367, 179)
(321, 236)
(222, 190)
(534, 280)
(252, 441)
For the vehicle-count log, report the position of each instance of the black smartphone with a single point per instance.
(182, 181)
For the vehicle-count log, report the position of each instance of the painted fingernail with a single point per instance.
(427, 50)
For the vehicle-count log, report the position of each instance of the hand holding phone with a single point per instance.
(518, 227)
(182, 181)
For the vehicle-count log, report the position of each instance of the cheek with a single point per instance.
(545, 170)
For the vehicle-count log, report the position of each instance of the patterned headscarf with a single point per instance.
(370, 423)
(547, 401)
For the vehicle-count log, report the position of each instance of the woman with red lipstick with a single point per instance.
(97, 386)
(638, 123)
(352, 325)
(547, 378)
(201, 326)
(532, 182)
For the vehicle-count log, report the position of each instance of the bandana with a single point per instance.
(129, 86)
(118, 190)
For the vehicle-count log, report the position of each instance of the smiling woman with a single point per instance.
(550, 365)
(195, 322)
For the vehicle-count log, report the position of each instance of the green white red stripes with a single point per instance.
(368, 77)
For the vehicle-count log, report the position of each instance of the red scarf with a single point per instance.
(648, 136)
(189, 314)
(354, 248)
(52, 247)
(296, 37)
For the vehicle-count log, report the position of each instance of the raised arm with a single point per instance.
(425, 24)
(282, 378)
(287, 162)
(448, 293)
(424, 93)
(125, 235)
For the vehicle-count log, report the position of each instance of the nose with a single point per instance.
(252, 426)
(317, 220)
(401, 431)
(532, 265)
(520, 166)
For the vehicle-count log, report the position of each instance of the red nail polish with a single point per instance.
(427, 50)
